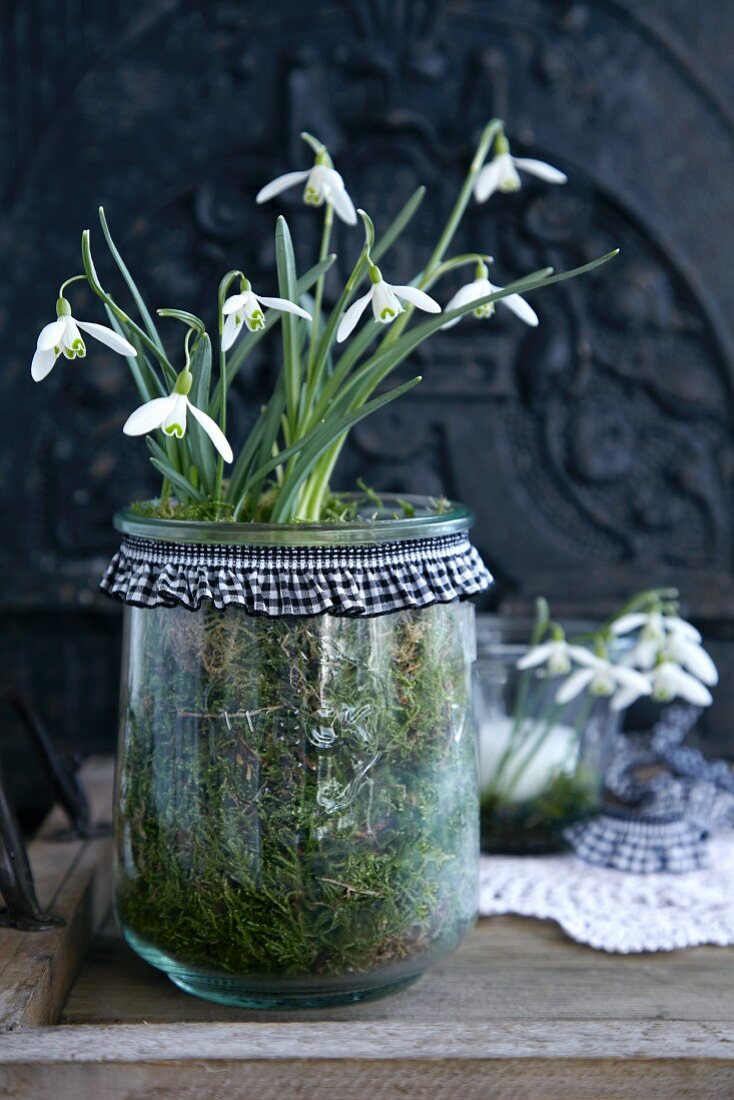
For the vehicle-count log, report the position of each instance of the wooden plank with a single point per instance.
(503, 1079)
(364, 1061)
(509, 968)
(73, 878)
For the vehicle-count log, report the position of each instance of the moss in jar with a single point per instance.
(536, 825)
(298, 795)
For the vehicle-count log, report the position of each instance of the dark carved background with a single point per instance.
(597, 450)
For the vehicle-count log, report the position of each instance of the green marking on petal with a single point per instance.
(256, 320)
(312, 197)
(484, 311)
(509, 185)
(174, 429)
(387, 314)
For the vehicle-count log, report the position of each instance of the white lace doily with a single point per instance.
(612, 910)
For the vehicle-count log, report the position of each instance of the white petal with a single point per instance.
(342, 204)
(42, 364)
(574, 685)
(352, 316)
(536, 656)
(520, 308)
(386, 305)
(149, 416)
(630, 678)
(626, 696)
(696, 660)
(670, 681)
(417, 298)
(679, 626)
(540, 169)
(71, 337)
(109, 337)
(230, 331)
(214, 432)
(234, 303)
(488, 180)
(625, 623)
(585, 657)
(175, 422)
(281, 183)
(284, 305)
(51, 334)
(470, 292)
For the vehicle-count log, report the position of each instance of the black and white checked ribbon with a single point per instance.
(281, 580)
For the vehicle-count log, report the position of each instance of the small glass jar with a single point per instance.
(297, 805)
(541, 764)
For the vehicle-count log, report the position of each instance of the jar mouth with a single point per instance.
(373, 524)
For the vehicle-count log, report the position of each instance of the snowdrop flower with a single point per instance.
(480, 288)
(323, 184)
(600, 677)
(62, 337)
(501, 174)
(556, 655)
(668, 681)
(678, 639)
(169, 414)
(247, 307)
(386, 305)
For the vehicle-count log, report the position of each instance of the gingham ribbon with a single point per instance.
(292, 580)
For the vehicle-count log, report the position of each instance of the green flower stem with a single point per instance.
(319, 291)
(490, 132)
(120, 313)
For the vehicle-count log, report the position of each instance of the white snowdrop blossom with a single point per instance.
(601, 677)
(503, 172)
(62, 337)
(670, 635)
(323, 185)
(386, 304)
(247, 308)
(169, 414)
(555, 656)
(479, 288)
(669, 681)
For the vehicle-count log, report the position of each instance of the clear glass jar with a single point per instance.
(297, 805)
(541, 764)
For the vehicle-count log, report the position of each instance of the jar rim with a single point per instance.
(373, 525)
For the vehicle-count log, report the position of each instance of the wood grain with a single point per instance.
(73, 878)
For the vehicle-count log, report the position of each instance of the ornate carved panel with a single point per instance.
(596, 451)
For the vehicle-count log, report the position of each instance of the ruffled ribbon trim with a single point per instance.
(277, 581)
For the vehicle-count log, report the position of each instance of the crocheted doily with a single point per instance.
(613, 910)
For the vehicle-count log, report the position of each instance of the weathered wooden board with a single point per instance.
(73, 878)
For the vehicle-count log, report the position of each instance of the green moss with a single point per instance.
(536, 825)
(298, 796)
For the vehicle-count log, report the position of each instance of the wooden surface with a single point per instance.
(519, 1011)
(73, 879)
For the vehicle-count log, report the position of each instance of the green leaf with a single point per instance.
(371, 373)
(393, 231)
(137, 296)
(202, 449)
(315, 442)
(147, 382)
(184, 487)
(286, 265)
(94, 283)
(253, 483)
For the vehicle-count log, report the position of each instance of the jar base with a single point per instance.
(225, 991)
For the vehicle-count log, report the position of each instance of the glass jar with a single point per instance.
(296, 797)
(541, 764)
